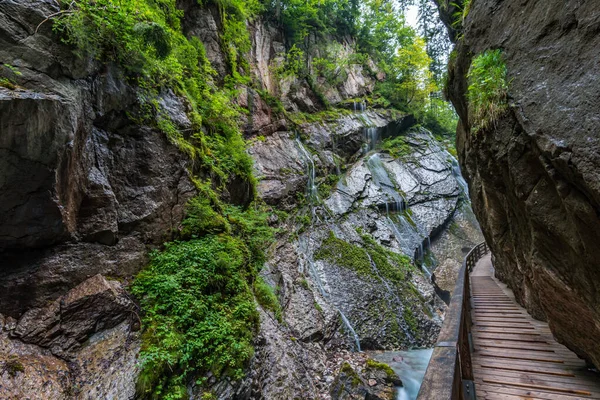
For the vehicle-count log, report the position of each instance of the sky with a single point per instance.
(412, 16)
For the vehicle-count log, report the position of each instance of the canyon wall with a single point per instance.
(87, 191)
(534, 175)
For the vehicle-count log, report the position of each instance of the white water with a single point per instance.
(362, 106)
(410, 366)
(351, 329)
(313, 193)
(336, 160)
(382, 179)
(457, 173)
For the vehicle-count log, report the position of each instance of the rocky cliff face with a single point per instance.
(86, 191)
(534, 176)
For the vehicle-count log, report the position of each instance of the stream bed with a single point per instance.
(410, 366)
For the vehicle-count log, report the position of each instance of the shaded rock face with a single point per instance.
(534, 177)
(93, 306)
(84, 191)
(76, 173)
(371, 383)
(77, 347)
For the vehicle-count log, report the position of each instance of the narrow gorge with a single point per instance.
(243, 199)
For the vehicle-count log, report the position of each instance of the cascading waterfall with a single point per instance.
(312, 192)
(457, 173)
(407, 233)
(351, 329)
(382, 179)
(372, 138)
(336, 160)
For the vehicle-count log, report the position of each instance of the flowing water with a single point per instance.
(382, 179)
(410, 366)
(457, 173)
(312, 191)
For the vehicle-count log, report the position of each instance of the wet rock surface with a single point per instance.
(404, 204)
(534, 177)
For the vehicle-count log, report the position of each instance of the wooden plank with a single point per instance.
(533, 370)
(495, 346)
(483, 389)
(576, 369)
(508, 338)
(562, 381)
(504, 330)
(539, 387)
(529, 358)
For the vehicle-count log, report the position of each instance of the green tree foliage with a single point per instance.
(198, 293)
(382, 30)
(434, 32)
(488, 89)
(299, 18)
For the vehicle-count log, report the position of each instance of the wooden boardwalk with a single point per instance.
(516, 356)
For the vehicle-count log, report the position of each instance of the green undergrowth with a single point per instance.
(8, 76)
(198, 298)
(199, 293)
(327, 185)
(331, 115)
(487, 93)
(266, 297)
(391, 266)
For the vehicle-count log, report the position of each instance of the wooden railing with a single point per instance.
(449, 375)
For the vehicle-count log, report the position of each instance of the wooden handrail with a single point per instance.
(449, 375)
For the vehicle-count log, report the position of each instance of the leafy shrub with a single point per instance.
(198, 312)
(488, 89)
(198, 302)
(461, 14)
(440, 118)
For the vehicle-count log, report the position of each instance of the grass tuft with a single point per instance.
(488, 90)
